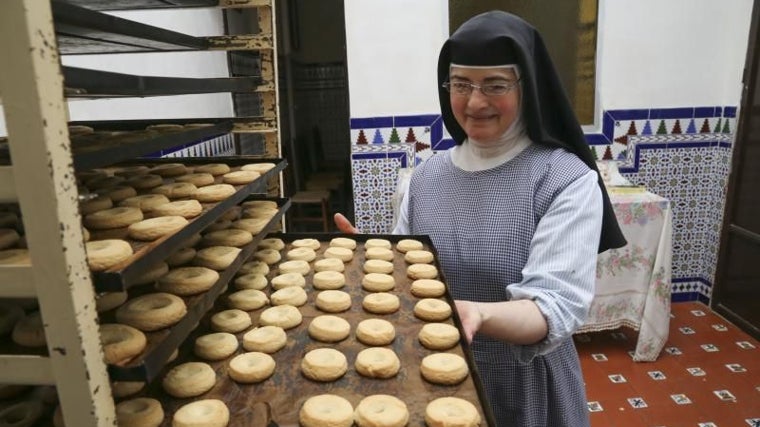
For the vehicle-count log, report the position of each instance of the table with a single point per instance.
(633, 284)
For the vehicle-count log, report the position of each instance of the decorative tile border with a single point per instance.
(680, 153)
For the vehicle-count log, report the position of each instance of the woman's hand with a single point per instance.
(471, 318)
(344, 225)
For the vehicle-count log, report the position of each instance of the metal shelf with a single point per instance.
(87, 83)
(26, 369)
(162, 344)
(83, 31)
(163, 4)
(146, 256)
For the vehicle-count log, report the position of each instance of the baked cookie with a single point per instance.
(189, 379)
(324, 364)
(215, 346)
(377, 362)
(451, 411)
(444, 368)
(251, 367)
(432, 310)
(329, 328)
(375, 332)
(326, 410)
(439, 336)
(381, 410)
(266, 339)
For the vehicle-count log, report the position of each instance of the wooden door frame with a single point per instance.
(751, 84)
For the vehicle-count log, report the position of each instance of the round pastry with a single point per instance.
(406, 245)
(153, 228)
(284, 316)
(215, 346)
(169, 169)
(295, 266)
(232, 321)
(384, 254)
(21, 414)
(290, 295)
(139, 412)
(259, 204)
(381, 410)
(324, 364)
(214, 193)
(439, 336)
(104, 254)
(152, 274)
(272, 243)
(105, 182)
(418, 257)
(329, 264)
(261, 214)
(251, 281)
(93, 205)
(230, 237)
(151, 312)
(258, 167)
(186, 281)
(343, 242)
(247, 299)
(181, 257)
(252, 367)
(328, 328)
(254, 267)
(377, 362)
(184, 208)
(312, 244)
(122, 389)
(251, 225)
(287, 280)
(306, 254)
(428, 288)
(343, 254)
(444, 368)
(432, 310)
(377, 243)
(176, 190)
(381, 303)
(216, 257)
(268, 256)
(213, 169)
(421, 271)
(119, 193)
(145, 181)
(378, 266)
(29, 331)
(9, 315)
(326, 410)
(375, 332)
(145, 202)
(240, 177)
(113, 218)
(198, 179)
(450, 412)
(333, 301)
(206, 413)
(266, 339)
(378, 282)
(121, 342)
(107, 301)
(189, 379)
(328, 280)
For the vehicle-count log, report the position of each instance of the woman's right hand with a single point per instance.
(344, 225)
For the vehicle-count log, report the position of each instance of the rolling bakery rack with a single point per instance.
(38, 161)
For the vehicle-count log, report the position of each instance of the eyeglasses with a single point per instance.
(488, 89)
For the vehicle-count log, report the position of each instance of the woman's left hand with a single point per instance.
(470, 316)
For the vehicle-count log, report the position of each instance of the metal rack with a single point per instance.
(41, 180)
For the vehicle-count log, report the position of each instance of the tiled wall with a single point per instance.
(682, 154)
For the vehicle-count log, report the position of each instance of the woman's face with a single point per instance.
(485, 118)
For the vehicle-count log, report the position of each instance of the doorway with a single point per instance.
(737, 281)
(314, 111)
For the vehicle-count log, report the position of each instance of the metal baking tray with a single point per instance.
(161, 344)
(277, 400)
(147, 254)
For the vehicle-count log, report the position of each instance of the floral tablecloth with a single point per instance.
(633, 283)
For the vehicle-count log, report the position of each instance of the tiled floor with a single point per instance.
(707, 376)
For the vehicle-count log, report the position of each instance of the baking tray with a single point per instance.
(277, 400)
(104, 148)
(147, 254)
(161, 344)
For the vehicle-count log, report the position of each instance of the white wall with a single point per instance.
(196, 22)
(651, 54)
(392, 49)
